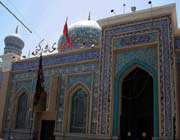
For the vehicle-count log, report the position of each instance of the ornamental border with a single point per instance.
(165, 49)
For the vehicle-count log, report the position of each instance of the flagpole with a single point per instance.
(66, 19)
(39, 100)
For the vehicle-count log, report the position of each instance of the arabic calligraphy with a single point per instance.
(44, 47)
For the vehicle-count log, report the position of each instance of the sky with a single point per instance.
(46, 18)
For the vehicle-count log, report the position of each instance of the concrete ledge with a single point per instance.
(60, 136)
(17, 134)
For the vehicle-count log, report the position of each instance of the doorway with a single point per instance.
(136, 118)
(47, 130)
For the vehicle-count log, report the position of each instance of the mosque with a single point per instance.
(119, 81)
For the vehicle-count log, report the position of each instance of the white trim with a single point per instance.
(140, 15)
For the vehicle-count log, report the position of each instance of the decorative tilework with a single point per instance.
(25, 82)
(117, 36)
(164, 27)
(1, 78)
(138, 39)
(94, 113)
(79, 112)
(88, 79)
(23, 76)
(82, 37)
(177, 42)
(84, 78)
(145, 58)
(82, 34)
(22, 110)
(145, 55)
(17, 88)
(62, 71)
(55, 60)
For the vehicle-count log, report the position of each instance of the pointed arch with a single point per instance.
(21, 90)
(21, 100)
(76, 86)
(77, 108)
(117, 92)
(21, 111)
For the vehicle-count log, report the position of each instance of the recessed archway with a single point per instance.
(152, 71)
(136, 115)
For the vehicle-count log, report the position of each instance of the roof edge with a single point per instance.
(141, 14)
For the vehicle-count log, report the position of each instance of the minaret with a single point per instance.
(12, 51)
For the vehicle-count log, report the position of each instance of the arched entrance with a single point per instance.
(136, 117)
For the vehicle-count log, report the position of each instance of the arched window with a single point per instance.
(22, 108)
(79, 108)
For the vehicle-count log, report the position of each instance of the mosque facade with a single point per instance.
(119, 81)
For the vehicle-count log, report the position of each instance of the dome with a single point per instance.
(13, 44)
(83, 34)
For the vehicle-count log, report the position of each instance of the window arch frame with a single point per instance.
(18, 94)
(68, 106)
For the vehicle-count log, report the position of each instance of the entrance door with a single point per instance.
(136, 119)
(47, 130)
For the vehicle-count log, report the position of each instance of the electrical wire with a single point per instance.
(19, 20)
(22, 16)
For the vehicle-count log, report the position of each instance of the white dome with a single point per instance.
(85, 23)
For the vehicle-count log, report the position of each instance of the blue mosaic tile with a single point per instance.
(145, 55)
(177, 43)
(82, 37)
(55, 60)
(83, 78)
(1, 78)
(163, 26)
(137, 39)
